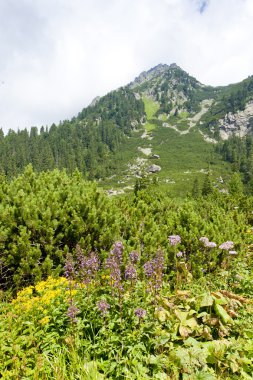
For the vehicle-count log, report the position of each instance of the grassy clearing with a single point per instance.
(149, 126)
(151, 107)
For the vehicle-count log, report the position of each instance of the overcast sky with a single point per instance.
(57, 55)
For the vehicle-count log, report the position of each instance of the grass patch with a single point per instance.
(151, 107)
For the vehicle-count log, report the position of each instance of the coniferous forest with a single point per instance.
(87, 142)
(144, 284)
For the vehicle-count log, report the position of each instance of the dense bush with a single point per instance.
(43, 216)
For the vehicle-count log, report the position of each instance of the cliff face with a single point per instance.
(239, 124)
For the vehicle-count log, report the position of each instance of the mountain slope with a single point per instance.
(164, 118)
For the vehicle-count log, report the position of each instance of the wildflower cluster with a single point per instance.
(38, 298)
(69, 267)
(88, 266)
(103, 307)
(207, 243)
(130, 272)
(153, 270)
(113, 265)
(134, 257)
(140, 313)
(174, 240)
(117, 251)
(228, 245)
(72, 312)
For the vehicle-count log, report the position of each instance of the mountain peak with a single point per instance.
(152, 73)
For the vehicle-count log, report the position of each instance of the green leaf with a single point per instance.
(184, 331)
(206, 300)
(162, 315)
(221, 312)
(191, 322)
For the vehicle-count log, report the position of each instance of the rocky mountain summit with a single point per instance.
(180, 98)
(152, 73)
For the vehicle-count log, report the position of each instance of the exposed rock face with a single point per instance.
(153, 169)
(147, 75)
(238, 124)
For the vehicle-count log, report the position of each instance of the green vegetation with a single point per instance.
(231, 98)
(239, 153)
(44, 216)
(153, 284)
(130, 287)
(151, 107)
(104, 140)
(87, 142)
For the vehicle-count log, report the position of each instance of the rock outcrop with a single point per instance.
(153, 169)
(239, 124)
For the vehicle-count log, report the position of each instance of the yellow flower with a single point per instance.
(45, 320)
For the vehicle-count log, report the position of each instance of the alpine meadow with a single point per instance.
(126, 236)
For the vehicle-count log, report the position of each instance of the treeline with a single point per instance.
(239, 152)
(87, 142)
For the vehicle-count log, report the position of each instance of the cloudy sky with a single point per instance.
(57, 55)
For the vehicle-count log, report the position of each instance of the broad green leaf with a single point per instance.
(206, 300)
(221, 312)
(162, 315)
(184, 331)
(191, 322)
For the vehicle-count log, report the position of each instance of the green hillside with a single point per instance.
(182, 157)
(164, 112)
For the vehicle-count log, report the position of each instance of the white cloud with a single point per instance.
(57, 55)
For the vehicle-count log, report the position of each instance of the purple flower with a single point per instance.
(227, 245)
(80, 257)
(103, 307)
(69, 268)
(88, 266)
(174, 240)
(153, 270)
(204, 240)
(149, 268)
(92, 263)
(232, 252)
(113, 265)
(210, 244)
(134, 257)
(207, 243)
(130, 272)
(117, 251)
(179, 254)
(72, 312)
(140, 313)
